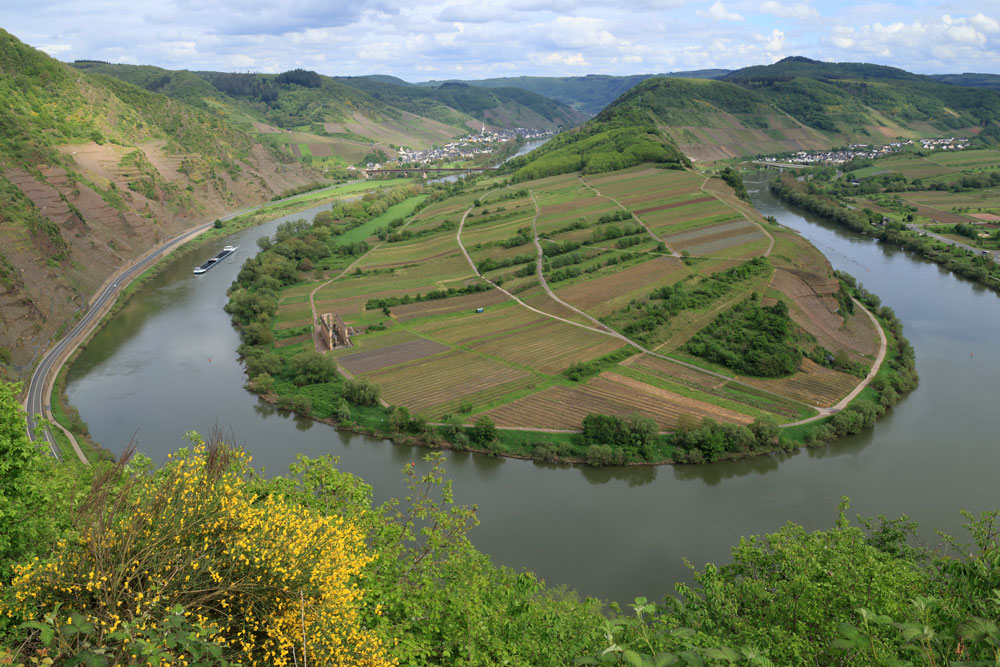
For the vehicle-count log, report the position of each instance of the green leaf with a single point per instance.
(723, 653)
(634, 658)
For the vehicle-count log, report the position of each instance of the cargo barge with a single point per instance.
(225, 252)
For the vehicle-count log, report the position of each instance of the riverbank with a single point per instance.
(282, 367)
(967, 263)
(57, 408)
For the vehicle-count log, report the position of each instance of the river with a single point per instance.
(167, 364)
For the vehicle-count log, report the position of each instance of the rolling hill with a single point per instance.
(801, 104)
(354, 115)
(505, 107)
(93, 173)
(588, 94)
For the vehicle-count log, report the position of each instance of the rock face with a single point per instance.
(93, 174)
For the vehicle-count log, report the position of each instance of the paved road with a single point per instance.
(40, 386)
(979, 251)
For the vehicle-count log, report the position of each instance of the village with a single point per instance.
(866, 151)
(481, 143)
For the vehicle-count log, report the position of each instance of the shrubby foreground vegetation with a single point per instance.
(204, 561)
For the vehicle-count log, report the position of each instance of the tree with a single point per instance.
(484, 432)
(312, 367)
(37, 492)
(362, 391)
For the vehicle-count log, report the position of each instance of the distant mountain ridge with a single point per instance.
(307, 101)
(589, 94)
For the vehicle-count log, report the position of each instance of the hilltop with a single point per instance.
(505, 107)
(93, 173)
(792, 105)
(347, 117)
(589, 94)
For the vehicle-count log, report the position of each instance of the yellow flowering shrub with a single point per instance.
(270, 580)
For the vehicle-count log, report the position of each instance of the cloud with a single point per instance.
(798, 10)
(474, 13)
(56, 49)
(469, 38)
(575, 32)
(569, 59)
(774, 42)
(719, 12)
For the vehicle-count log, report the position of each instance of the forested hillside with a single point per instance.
(800, 104)
(501, 107)
(95, 172)
(589, 94)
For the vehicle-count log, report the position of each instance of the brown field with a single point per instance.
(294, 340)
(420, 385)
(675, 195)
(985, 217)
(383, 357)
(551, 347)
(674, 372)
(696, 235)
(375, 341)
(813, 384)
(816, 312)
(603, 295)
(453, 329)
(688, 214)
(731, 242)
(818, 316)
(664, 207)
(450, 305)
(610, 393)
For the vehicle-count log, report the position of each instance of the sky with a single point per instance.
(420, 40)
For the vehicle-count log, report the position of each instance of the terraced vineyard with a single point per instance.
(492, 300)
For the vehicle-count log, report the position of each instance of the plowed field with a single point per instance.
(814, 384)
(422, 384)
(565, 408)
(550, 348)
(375, 359)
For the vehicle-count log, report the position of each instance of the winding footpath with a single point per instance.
(42, 380)
(607, 331)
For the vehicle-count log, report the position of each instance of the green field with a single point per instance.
(537, 362)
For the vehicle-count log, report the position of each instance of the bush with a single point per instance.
(313, 367)
(362, 391)
(484, 432)
(255, 573)
(341, 411)
(300, 405)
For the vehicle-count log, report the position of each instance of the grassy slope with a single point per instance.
(117, 169)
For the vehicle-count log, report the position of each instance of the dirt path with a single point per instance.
(770, 246)
(883, 346)
(673, 252)
(541, 276)
(605, 330)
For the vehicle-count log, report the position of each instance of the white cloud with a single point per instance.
(773, 42)
(798, 10)
(56, 50)
(719, 12)
(568, 59)
(512, 37)
(576, 32)
(241, 61)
